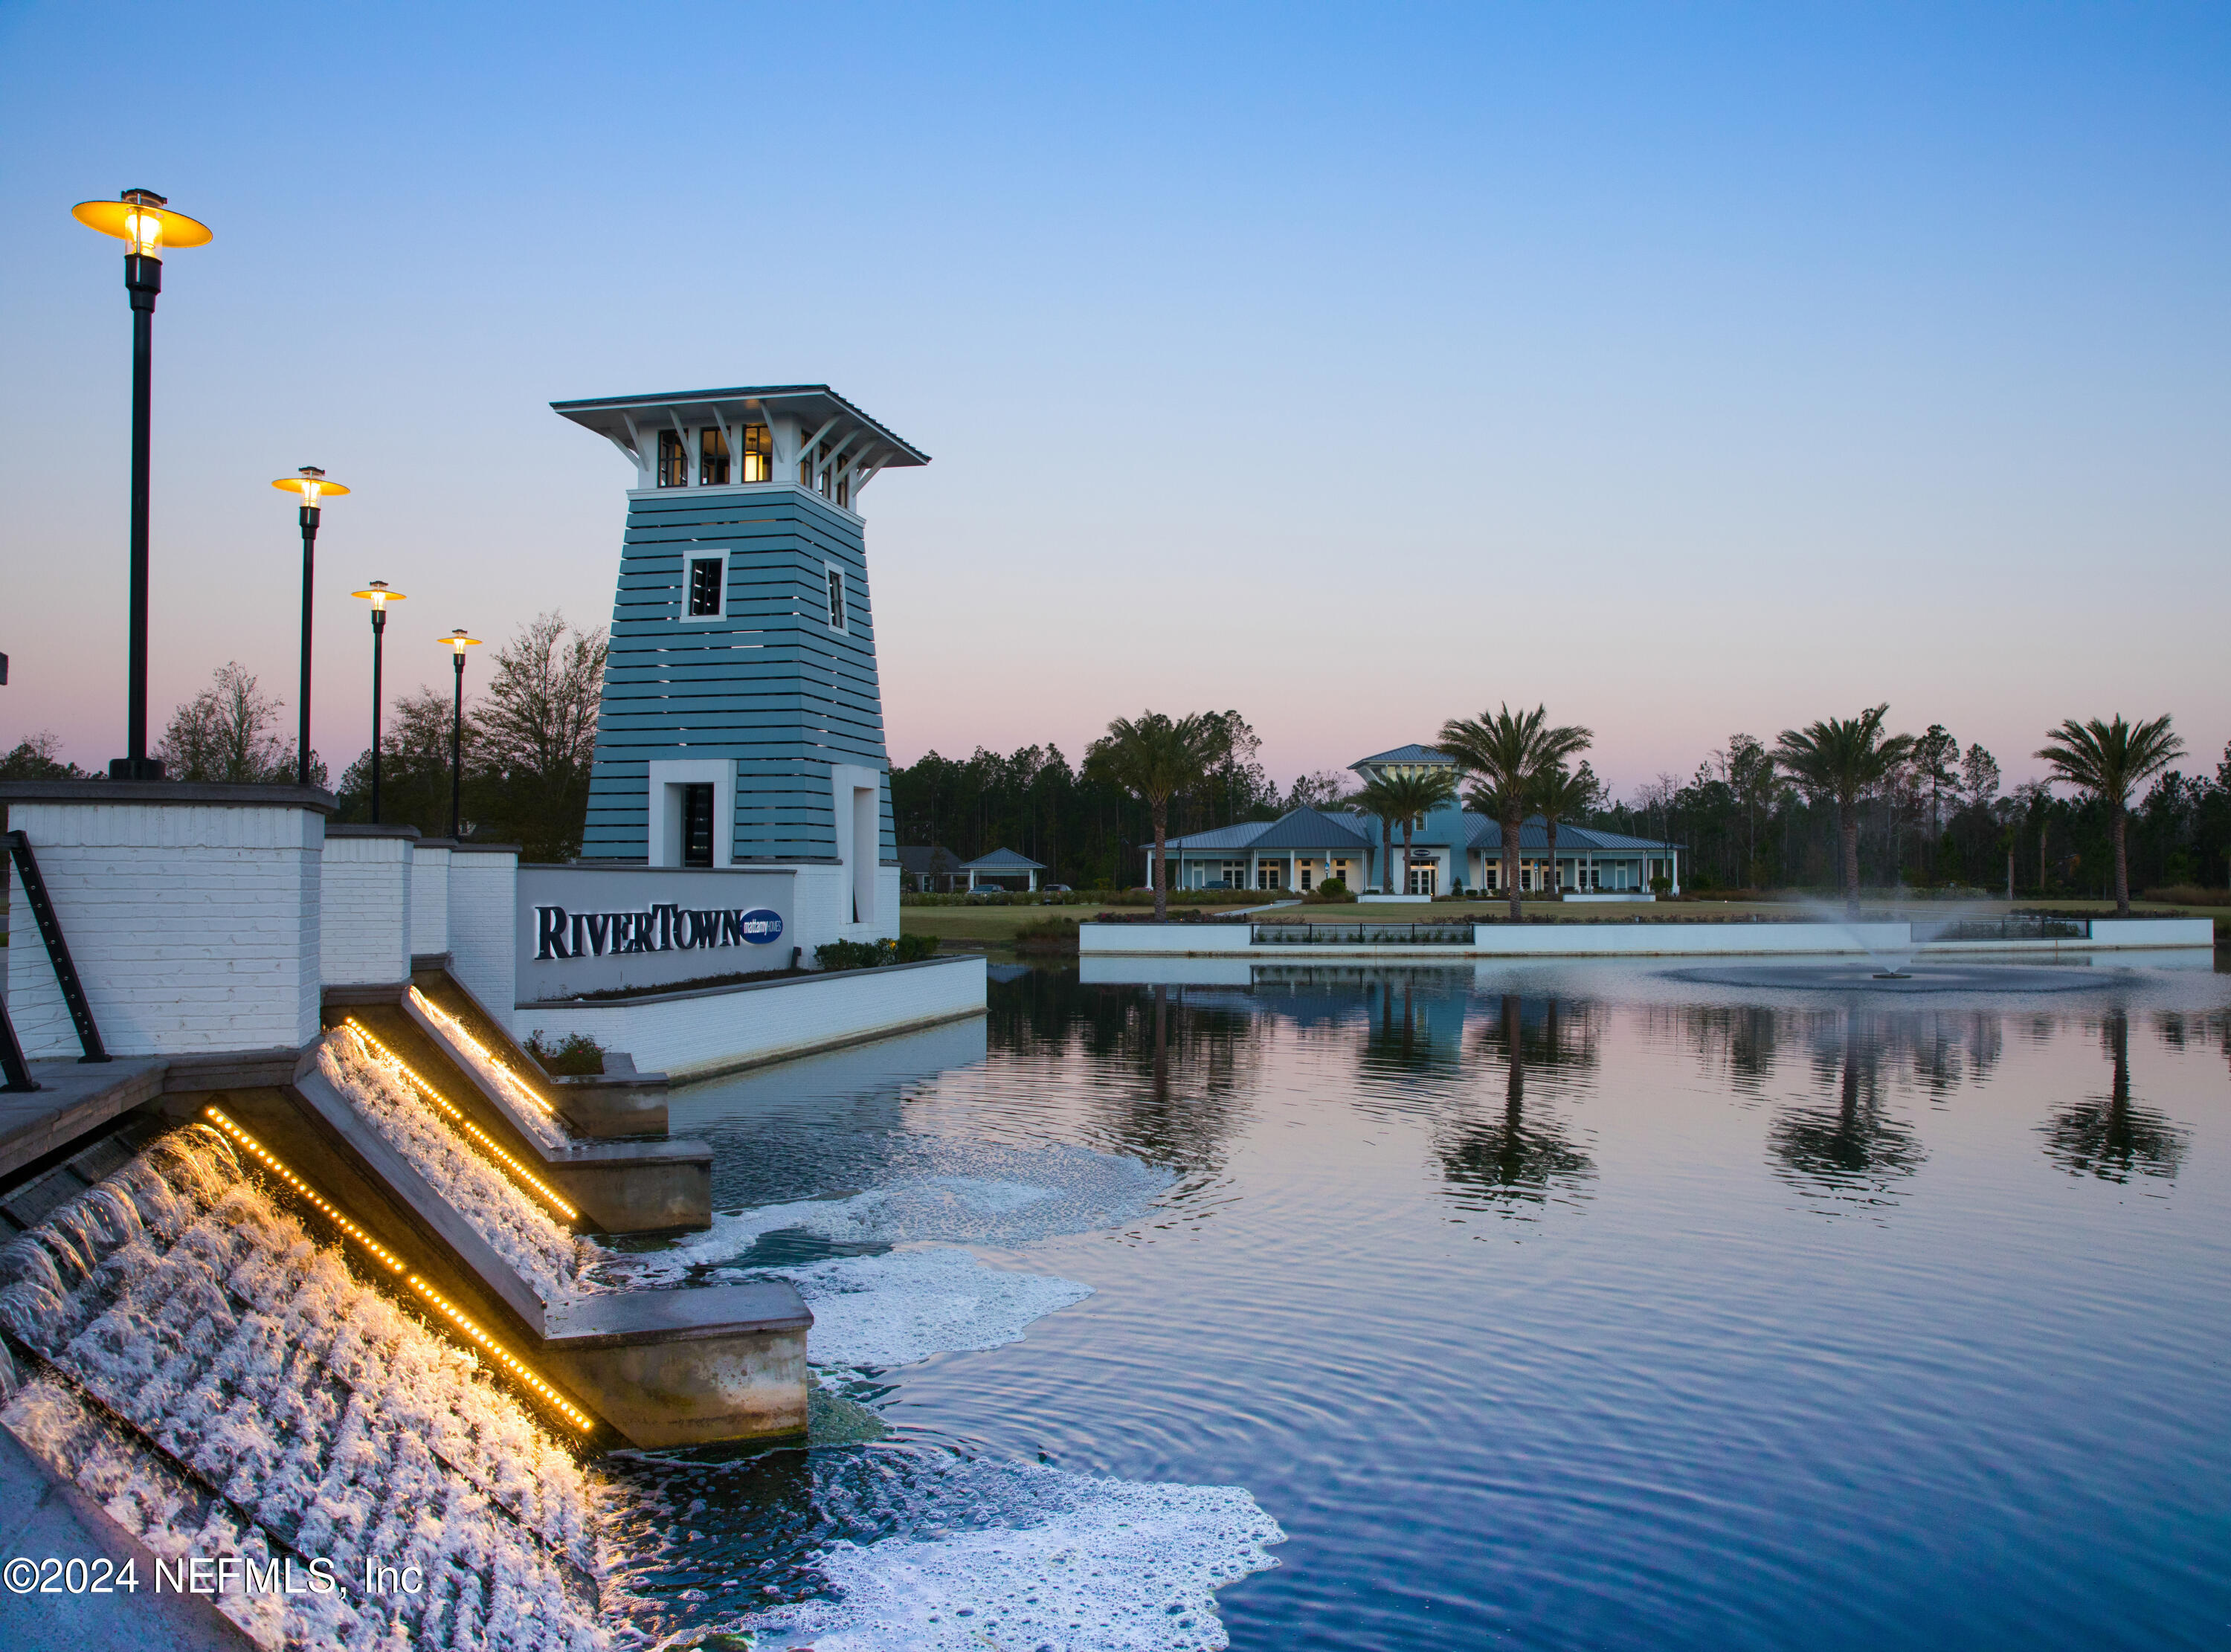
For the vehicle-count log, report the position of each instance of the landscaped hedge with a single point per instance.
(1094, 897)
(867, 955)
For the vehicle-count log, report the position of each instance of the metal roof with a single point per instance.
(1239, 836)
(815, 406)
(1002, 859)
(1430, 755)
(1310, 829)
(1481, 833)
(931, 859)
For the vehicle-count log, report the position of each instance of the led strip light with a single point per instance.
(456, 1028)
(519, 1371)
(375, 1050)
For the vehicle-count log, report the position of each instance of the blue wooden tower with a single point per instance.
(741, 724)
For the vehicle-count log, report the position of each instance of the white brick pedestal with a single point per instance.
(366, 905)
(191, 913)
(484, 923)
(430, 895)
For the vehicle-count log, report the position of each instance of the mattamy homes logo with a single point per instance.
(558, 934)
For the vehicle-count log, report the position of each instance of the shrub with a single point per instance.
(868, 955)
(1047, 935)
(572, 1056)
(1333, 890)
(2186, 894)
(855, 955)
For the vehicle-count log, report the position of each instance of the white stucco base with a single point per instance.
(719, 1030)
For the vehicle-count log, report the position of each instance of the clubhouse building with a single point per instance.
(1451, 850)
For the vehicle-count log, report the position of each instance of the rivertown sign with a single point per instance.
(658, 928)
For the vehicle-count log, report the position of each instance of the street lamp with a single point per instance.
(458, 642)
(312, 486)
(378, 596)
(141, 221)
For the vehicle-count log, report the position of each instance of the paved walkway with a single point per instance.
(74, 1098)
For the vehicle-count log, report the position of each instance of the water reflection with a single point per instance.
(1506, 1163)
(2111, 1137)
(1851, 1149)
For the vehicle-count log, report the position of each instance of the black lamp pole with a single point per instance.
(143, 222)
(457, 744)
(309, 517)
(143, 279)
(379, 632)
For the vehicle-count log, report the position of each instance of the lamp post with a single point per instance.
(141, 220)
(457, 642)
(311, 486)
(378, 596)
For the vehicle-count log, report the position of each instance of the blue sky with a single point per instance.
(1689, 369)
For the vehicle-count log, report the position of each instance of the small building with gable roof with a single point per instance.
(1452, 849)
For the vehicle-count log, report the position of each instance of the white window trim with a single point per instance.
(691, 771)
(681, 601)
(838, 620)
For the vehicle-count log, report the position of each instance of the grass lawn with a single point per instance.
(996, 925)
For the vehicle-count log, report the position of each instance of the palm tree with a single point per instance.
(1374, 803)
(1842, 758)
(1560, 794)
(1504, 751)
(1407, 796)
(1154, 758)
(2109, 760)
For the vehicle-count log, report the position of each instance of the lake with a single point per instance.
(1548, 1305)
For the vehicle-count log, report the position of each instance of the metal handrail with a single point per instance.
(58, 953)
(1361, 933)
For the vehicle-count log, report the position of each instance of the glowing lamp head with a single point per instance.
(378, 594)
(143, 222)
(312, 486)
(460, 642)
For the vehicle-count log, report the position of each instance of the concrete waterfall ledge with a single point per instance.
(1728, 940)
(722, 1030)
(618, 1186)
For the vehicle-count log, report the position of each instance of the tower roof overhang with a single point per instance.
(829, 421)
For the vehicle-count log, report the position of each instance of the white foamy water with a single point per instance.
(533, 1114)
(545, 1253)
(876, 1311)
(221, 1382)
(1025, 1195)
(1093, 1566)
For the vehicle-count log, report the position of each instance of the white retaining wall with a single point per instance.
(1630, 940)
(1683, 940)
(694, 1035)
(365, 902)
(430, 895)
(192, 914)
(483, 914)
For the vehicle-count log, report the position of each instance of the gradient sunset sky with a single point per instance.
(1690, 369)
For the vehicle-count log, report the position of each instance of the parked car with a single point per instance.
(1056, 888)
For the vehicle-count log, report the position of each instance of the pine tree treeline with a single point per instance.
(1087, 832)
(1940, 819)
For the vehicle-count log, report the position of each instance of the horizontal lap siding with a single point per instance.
(769, 685)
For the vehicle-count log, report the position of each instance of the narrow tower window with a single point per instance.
(696, 825)
(712, 457)
(673, 460)
(836, 599)
(759, 454)
(705, 588)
